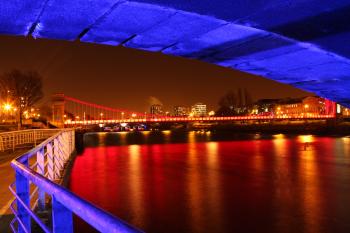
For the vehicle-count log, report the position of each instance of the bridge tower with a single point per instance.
(58, 102)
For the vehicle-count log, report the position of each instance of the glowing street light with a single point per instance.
(211, 113)
(7, 107)
(133, 115)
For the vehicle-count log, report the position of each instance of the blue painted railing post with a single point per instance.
(22, 190)
(40, 158)
(62, 218)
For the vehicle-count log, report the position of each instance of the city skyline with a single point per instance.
(171, 80)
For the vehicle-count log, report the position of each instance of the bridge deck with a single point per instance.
(198, 119)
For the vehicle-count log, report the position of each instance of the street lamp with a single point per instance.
(211, 113)
(133, 115)
(7, 107)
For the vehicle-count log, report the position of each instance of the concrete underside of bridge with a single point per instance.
(297, 42)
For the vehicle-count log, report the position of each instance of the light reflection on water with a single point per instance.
(211, 182)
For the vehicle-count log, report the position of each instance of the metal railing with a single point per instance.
(24, 138)
(36, 190)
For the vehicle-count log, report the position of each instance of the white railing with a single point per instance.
(24, 138)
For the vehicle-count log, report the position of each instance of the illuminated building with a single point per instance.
(181, 111)
(343, 111)
(156, 109)
(305, 106)
(199, 110)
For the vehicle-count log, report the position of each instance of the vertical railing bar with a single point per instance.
(62, 218)
(41, 171)
(23, 199)
(50, 159)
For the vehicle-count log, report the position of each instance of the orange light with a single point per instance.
(7, 107)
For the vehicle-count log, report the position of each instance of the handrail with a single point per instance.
(52, 155)
(13, 139)
(96, 217)
(32, 152)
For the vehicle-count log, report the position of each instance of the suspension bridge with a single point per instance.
(69, 111)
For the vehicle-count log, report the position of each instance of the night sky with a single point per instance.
(128, 78)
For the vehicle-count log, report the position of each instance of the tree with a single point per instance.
(240, 102)
(248, 101)
(227, 104)
(228, 100)
(22, 89)
(235, 103)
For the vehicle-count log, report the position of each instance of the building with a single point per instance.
(181, 111)
(290, 107)
(313, 105)
(156, 109)
(199, 110)
(294, 107)
(343, 111)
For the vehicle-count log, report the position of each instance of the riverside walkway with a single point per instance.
(7, 176)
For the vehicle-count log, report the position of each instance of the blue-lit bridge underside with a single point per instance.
(301, 43)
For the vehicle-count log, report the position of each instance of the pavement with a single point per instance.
(6, 178)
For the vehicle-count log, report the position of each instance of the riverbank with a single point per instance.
(316, 128)
(337, 128)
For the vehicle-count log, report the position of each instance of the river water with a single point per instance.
(166, 182)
